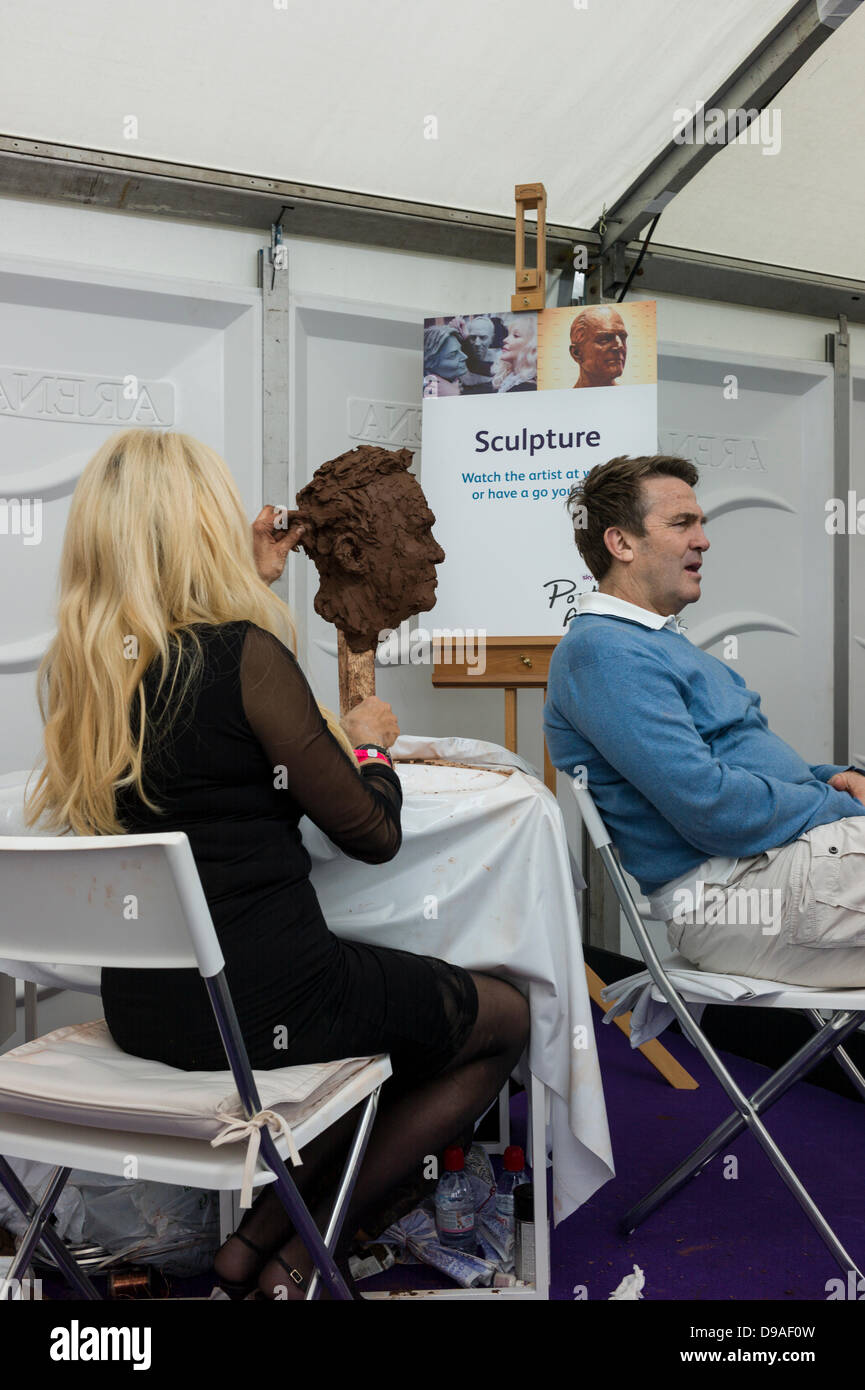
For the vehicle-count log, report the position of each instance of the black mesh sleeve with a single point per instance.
(359, 810)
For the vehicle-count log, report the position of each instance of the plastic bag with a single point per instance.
(69, 1210)
(174, 1228)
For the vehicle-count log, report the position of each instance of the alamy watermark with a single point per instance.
(714, 905)
(714, 126)
(442, 645)
(845, 517)
(21, 516)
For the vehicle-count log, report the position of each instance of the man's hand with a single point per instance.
(271, 543)
(852, 782)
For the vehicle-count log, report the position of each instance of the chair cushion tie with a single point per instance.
(251, 1131)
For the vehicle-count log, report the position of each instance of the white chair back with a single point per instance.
(105, 900)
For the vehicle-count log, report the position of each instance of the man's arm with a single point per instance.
(635, 714)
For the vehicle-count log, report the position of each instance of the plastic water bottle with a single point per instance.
(513, 1175)
(454, 1204)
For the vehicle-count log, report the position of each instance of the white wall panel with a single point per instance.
(67, 338)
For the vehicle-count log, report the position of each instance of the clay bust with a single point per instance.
(599, 342)
(369, 531)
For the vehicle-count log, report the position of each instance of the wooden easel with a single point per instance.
(515, 663)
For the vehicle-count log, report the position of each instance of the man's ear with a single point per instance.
(618, 544)
(350, 554)
(575, 352)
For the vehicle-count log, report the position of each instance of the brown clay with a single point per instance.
(369, 531)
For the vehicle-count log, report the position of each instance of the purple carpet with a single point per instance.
(736, 1237)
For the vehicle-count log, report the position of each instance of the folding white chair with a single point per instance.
(70, 900)
(827, 1041)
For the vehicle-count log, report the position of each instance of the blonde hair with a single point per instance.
(525, 367)
(157, 539)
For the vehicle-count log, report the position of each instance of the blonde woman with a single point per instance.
(517, 367)
(172, 700)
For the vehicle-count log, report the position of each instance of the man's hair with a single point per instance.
(335, 499)
(612, 495)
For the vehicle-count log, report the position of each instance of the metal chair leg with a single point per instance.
(842, 1057)
(65, 1262)
(808, 1056)
(301, 1218)
(32, 1235)
(823, 1044)
(347, 1182)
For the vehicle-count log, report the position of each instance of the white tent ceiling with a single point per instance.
(804, 206)
(338, 94)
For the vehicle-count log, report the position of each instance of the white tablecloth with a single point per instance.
(483, 879)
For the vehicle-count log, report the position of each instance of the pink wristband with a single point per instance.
(367, 754)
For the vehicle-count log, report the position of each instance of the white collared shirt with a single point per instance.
(718, 869)
(620, 608)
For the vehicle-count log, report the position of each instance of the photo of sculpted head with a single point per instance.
(368, 529)
(444, 362)
(599, 342)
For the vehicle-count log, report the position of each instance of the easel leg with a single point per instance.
(660, 1058)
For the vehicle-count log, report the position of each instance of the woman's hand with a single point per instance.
(372, 721)
(271, 543)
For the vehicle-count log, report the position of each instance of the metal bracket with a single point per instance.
(838, 353)
(277, 253)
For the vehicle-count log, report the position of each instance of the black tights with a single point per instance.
(412, 1123)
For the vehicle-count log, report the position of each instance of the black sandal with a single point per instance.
(233, 1287)
(301, 1281)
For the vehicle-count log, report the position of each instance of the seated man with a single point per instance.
(696, 790)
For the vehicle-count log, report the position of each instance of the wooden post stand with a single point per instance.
(356, 674)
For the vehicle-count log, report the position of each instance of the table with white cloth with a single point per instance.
(484, 880)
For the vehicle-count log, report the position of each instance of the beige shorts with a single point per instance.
(796, 913)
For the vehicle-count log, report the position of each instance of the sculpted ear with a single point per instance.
(350, 554)
(575, 352)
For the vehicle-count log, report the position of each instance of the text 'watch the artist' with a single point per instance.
(371, 753)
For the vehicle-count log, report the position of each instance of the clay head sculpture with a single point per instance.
(369, 530)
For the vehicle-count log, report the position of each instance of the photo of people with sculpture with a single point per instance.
(480, 354)
(582, 347)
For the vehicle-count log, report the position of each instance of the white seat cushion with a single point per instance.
(80, 1075)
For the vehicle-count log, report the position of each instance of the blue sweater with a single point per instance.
(679, 758)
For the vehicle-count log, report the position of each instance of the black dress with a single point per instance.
(247, 755)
